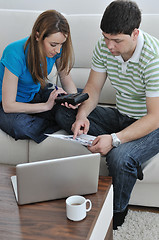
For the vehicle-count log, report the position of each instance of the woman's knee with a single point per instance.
(25, 126)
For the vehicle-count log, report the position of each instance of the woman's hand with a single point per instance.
(53, 95)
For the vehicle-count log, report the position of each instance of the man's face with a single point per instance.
(121, 44)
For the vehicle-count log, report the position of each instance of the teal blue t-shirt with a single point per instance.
(14, 59)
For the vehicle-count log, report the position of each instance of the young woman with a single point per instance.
(27, 104)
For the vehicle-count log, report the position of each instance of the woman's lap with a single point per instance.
(30, 126)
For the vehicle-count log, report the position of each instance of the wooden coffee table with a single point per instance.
(47, 220)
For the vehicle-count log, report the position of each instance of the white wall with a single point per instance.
(74, 6)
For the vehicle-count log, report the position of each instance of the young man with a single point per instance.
(129, 134)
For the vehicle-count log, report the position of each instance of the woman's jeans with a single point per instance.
(124, 162)
(30, 126)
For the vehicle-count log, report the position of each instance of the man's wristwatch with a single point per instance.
(115, 140)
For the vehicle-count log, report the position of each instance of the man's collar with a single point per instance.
(136, 55)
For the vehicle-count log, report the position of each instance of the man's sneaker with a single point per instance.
(118, 218)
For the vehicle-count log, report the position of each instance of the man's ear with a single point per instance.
(37, 36)
(135, 33)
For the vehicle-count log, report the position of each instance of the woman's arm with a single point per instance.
(9, 93)
(66, 80)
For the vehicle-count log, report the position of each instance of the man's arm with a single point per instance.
(140, 128)
(145, 125)
(93, 87)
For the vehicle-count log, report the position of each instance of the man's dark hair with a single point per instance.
(121, 16)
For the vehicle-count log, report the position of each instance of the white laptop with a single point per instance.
(56, 178)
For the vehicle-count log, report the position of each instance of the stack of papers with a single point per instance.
(83, 139)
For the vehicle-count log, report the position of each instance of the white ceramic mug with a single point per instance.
(76, 208)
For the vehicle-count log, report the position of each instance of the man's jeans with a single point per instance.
(123, 162)
(30, 126)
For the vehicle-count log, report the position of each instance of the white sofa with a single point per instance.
(16, 24)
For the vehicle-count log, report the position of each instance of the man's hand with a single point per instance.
(80, 126)
(101, 144)
(70, 105)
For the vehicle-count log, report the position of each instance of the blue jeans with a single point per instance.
(30, 126)
(124, 162)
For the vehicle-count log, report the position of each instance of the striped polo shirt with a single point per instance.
(133, 80)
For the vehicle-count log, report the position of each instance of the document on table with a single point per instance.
(83, 139)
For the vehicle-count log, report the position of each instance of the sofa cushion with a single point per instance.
(13, 152)
(53, 148)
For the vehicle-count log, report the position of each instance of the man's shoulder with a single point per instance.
(149, 35)
(151, 44)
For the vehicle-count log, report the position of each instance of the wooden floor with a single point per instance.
(145, 209)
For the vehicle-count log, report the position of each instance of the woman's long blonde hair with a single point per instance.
(48, 22)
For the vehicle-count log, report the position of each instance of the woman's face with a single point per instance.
(53, 43)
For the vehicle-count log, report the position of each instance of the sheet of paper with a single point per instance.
(83, 139)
